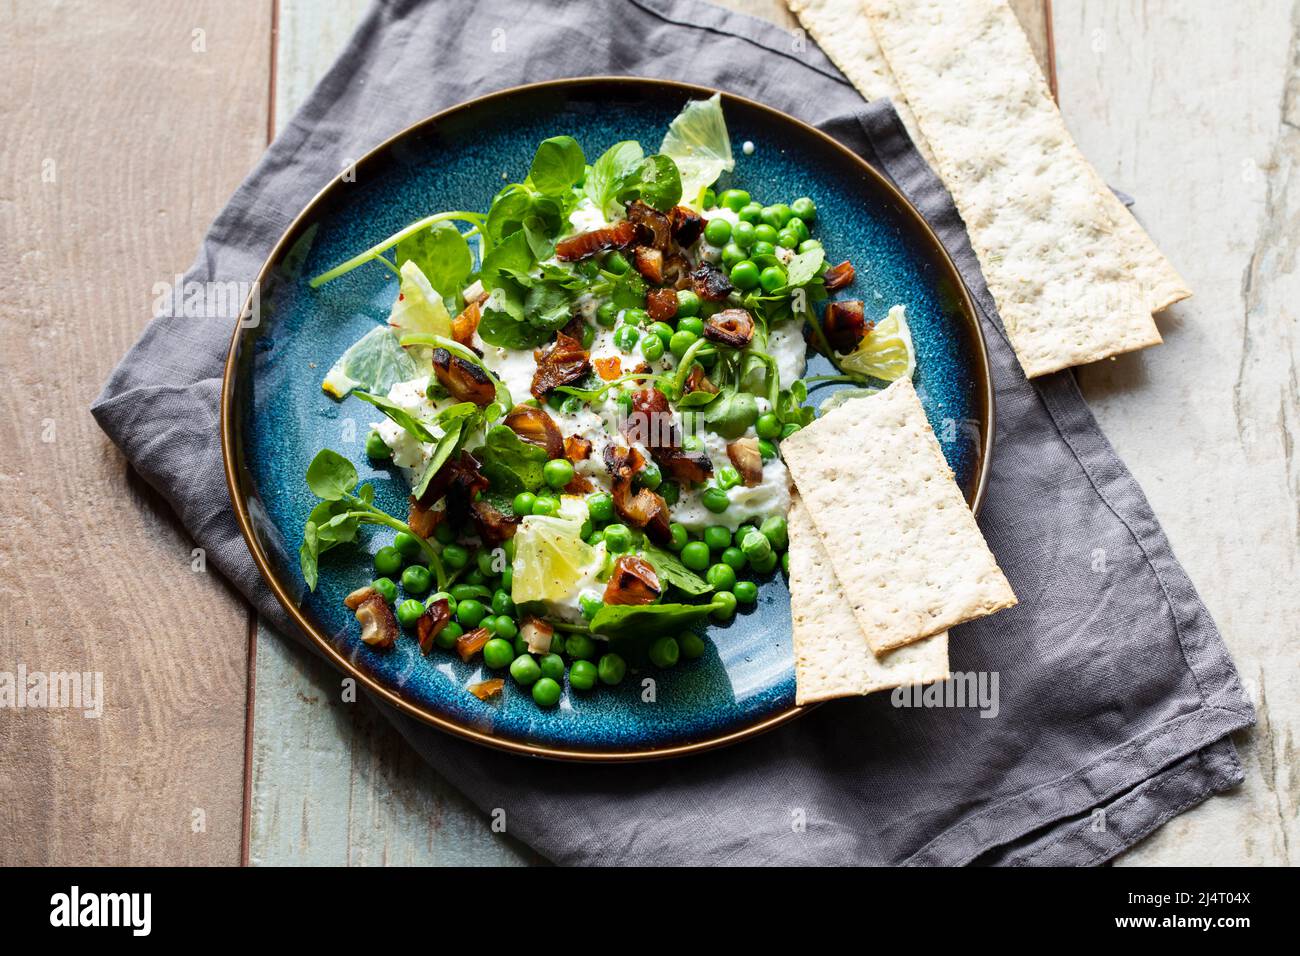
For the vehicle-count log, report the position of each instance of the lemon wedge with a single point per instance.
(697, 141)
(552, 562)
(886, 352)
(419, 308)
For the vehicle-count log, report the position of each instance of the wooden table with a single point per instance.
(109, 182)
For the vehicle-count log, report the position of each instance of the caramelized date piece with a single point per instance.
(650, 263)
(431, 622)
(710, 282)
(844, 325)
(645, 509)
(633, 581)
(537, 428)
(486, 689)
(465, 325)
(464, 380)
(744, 454)
(837, 277)
(467, 645)
(661, 304)
(423, 521)
(576, 449)
(656, 230)
(734, 327)
(563, 362)
(493, 525)
(618, 236)
(697, 381)
(687, 225)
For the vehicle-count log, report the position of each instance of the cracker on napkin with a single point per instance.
(831, 655)
(901, 539)
(1074, 275)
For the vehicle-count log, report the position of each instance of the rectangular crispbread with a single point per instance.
(1074, 275)
(842, 31)
(900, 537)
(831, 655)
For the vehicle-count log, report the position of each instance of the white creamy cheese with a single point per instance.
(586, 217)
(770, 496)
(409, 453)
(785, 344)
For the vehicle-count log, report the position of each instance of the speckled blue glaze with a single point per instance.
(747, 674)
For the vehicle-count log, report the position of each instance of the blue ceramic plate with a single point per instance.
(275, 417)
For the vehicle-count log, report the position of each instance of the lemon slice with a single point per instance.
(697, 141)
(552, 562)
(886, 352)
(419, 308)
(375, 362)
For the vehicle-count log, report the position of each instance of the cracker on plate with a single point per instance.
(831, 656)
(901, 539)
(1074, 275)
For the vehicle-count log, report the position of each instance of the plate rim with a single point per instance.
(231, 427)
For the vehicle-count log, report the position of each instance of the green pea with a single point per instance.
(652, 347)
(755, 544)
(715, 499)
(695, 555)
(717, 537)
(377, 448)
(662, 330)
(637, 317)
(733, 558)
(765, 564)
(504, 626)
(746, 592)
(785, 562)
(410, 611)
(734, 199)
(744, 234)
(498, 653)
(388, 561)
(607, 314)
(611, 669)
(762, 250)
(789, 428)
(783, 215)
(600, 506)
(557, 643)
(546, 505)
(486, 561)
(454, 556)
(416, 579)
(804, 208)
(677, 536)
(788, 239)
(724, 606)
(691, 644)
(475, 576)
(558, 472)
(546, 692)
(681, 341)
(589, 606)
(731, 254)
(768, 426)
(799, 228)
(744, 276)
(507, 579)
(808, 245)
(776, 531)
(728, 477)
(463, 591)
(722, 577)
(691, 324)
(552, 666)
(772, 278)
(617, 263)
(441, 596)
(709, 199)
(717, 232)
(509, 549)
(688, 303)
(625, 338)
(580, 647)
(766, 449)
(664, 652)
(670, 491)
(525, 670)
(766, 233)
(618, 538)
(448, 636)
(444, 533)
(470, 613)
(751, 213)
(523, 503)
(386, 587)
(650, 476)
(582, 675)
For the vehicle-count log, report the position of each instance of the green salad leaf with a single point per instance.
(557, 166)
(803, 268)
(655, 181)
(645, 620)
(670, 569)
(443, 256)
(399, 415)
(608, 172)
(511, 464)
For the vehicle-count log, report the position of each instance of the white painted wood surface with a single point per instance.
(1181, 104)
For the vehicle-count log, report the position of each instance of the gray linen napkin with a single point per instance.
(1115, 693)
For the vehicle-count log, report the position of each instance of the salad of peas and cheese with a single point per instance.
(586, 387)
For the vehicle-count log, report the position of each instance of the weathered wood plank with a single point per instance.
(113, 165)
(1195, 109)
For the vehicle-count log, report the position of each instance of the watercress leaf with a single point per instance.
(731, 415)
(629, 290)
(398, 414)
(330, 475)
(366, 493)
(502, 329)
(308, 555)
(443, 256)
(511, 259)
(557, 165)
(645, 620)
(670, 569)
(443, 452)
(536, 235)
(549, 306)
(802, 269)
(453, 412)
(697, 399)
(509, 463)
(510, 207)
(608, 173)
(655, 181)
